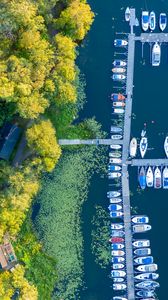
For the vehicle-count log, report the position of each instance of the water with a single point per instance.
(150, 106)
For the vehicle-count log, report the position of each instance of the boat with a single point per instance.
(118, 77)
(152, 21)
(146, 294)
(119, 63)
(166, 146)
(117, 260)
(148, 284)
(120, 43)
(147, 276)
(162, 21)
(143, 146)
(117, 246)
(118, 70)
(144, 260)
(117, 233)
(141, 228)
(115, 161)
(127, 14)
(115, 154)
(115, 147)
(165, 178)
(118, 104)
(133, 147)
(147, 268)
(149, 177)
(141, 243)
(114, 168)
(119, 286)
(114, 175)
(114, 207)
(118, 273)
(117, 226)
(143, 133)
(156, 55)
(140, 220)
(116, 214)
(157, 178)
(118, 279)
(118, 266)
(142, 178)
(119, 298)
(115, 128)
(113, 194)
(115, 200)
(117, 253)
(145, 20)
(119, 110)
(142, 251)
(116, 137)
(117, 97)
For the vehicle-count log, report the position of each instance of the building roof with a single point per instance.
(7, 255)
(9, 135)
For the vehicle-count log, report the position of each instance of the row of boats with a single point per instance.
(153, 177)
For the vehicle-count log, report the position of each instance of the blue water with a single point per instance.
(150, 106)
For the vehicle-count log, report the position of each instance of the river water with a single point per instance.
(150, 106)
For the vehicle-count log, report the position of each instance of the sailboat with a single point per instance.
(133, 147)
(157, 178)
(166, 146)
(149, 177)
(142, 178)
(127, 14)
(152, 21)
(143, 145)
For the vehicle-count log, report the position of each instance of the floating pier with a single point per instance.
(109, 142)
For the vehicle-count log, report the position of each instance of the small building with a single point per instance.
(9, 136)
(7, 256)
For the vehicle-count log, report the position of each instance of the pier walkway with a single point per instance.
(90, 142)
(148, 162)
(152, 37)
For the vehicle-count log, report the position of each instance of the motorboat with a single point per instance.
(118, 273)
(144, 260)
(118, 77)
(119, 298)
(116, 214)
(119, 63)
(148, 284)
(117, 260)
(113, 194)
(114, 207)
(143, 132)
(116, 137)
(118, 70)
(117, 246)
(142, 251)
(127, 14)
(152, 21)
(115, 200)
(117, 97)
(118, 266)
(117, 253)
(156, 55)
(114, 175)
(115, 128)
(143, 146)
(145, 20)
(120, 43)
(142, 178)
(133, 147)
(165, 178)
(140, 220)
(157, 178)
(119, 110)
(147, 268)
(149, 177)
(114, 168)
(115, 147)
(166, 146)
(115, 154)
(115, 161)
(117, 233)
(119, 286)
(117, 226)
(118, 279)
(117, 239)
(118, 104)
(147, 276)
(141, 243)
(141, 228)
(146, 294)
(162, 21)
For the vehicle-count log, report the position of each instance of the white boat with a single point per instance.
(117, 233)
(147, 276)
(165, 178)
(116, 136)
(115, 160)
(115, 147)
(143, 146)
(119, 298)
(113, 194)
(118, 70)
(142, 251)
(141, 243)
(148, 284)
(114, 207)
(117, 260)
(133, 147)
(114, 175)
(149, 177)
(119, 110)
(115, 200)
(147, 268)
(162, 21)
(119, 286)
(166, 146)
(141, 228)
(117, 253)
(115, 154)
(120, 43)
(118, 279)
(140, 220)
(115, 129)
(118, 77)
(145, 294)
(117, 226)
(127, 14)
(116, 214)
(143, 133)
(145, 20)
(157, 178)
(144, 260)
(117, 266)
(114, 168)
(152, 21)
(156, 55)
(118, 104)
(118, 273)
(119, 63)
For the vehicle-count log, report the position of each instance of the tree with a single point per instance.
(65, 47)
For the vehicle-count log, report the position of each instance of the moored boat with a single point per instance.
(166, 146)
(147, 276)
(141, 243)
(118, 70)
(119, 63)
(119, 110)
(143, 146)
(114, 207)
(117, 226)
(146, 294)
(115, 160)
(115, 154)
(113, 194)
(118, 77)
(141, 228)
(118, 273)
(117, 97)
(133, 147)
(115, 147)
(118, 279)
(140, 220)
(127, 14)
(116, 137)
(119, 298)
(115, 129)
(147, 268)
(115, 200)
(149, 177)
(142, 251)
(114, 168)
(119, 286)
(162, 21)
(145, 20)
(117, 233)
(142, 178)
(117, 253)
(148, 284)
(165, 178)
(156, 55)
(144, 260)
(120, 43)
(117, 246)
(152, 21)
(117, 260)
(116, 214)
(118, 240)
(157, 178)
(118, 104)
(117, 266)
(113, 175)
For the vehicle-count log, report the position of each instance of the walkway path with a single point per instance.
(90, 142)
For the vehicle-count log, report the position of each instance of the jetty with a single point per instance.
(109, 142)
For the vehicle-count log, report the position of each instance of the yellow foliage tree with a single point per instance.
(6, 289)
(65, 47)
